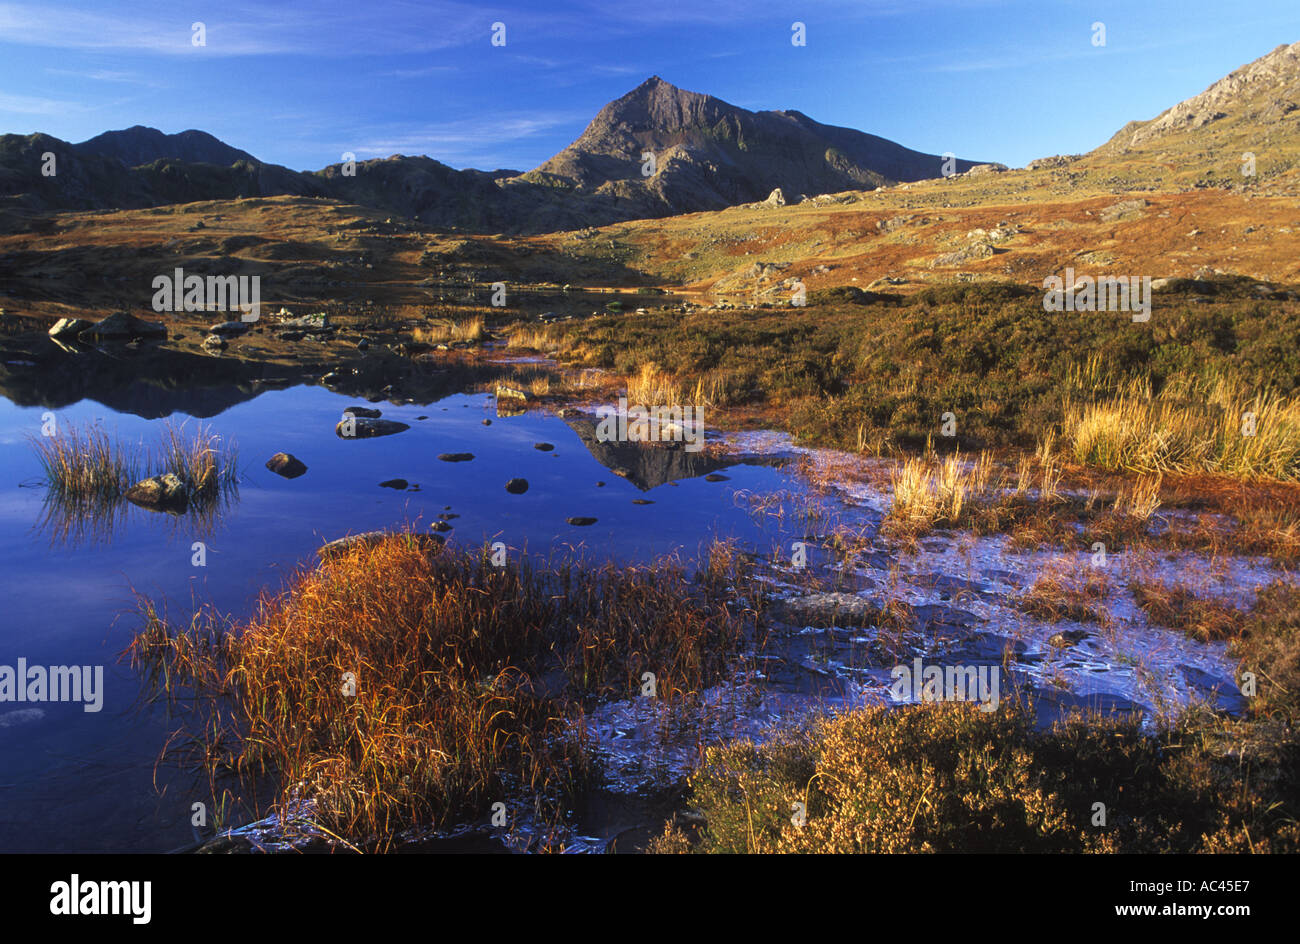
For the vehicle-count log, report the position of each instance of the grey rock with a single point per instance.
(123, 326)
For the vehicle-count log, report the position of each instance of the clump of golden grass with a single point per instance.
(533, 337)
(1142, 500)
(926, 495)
(88, 474)
(202, 460)
(1215, 426)
(447, 330)
(84, 466)
(469, 678)
(84, 469)
(652, 387)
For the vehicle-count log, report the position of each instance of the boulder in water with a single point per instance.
(282, 463)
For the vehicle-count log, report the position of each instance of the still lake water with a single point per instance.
(72, 780)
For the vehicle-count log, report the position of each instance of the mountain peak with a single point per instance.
(710, 153)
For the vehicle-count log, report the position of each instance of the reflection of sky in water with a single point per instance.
(73, 780)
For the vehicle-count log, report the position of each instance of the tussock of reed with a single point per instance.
(652, 387)
(928, 495)
(1217, 426)
(468, 677)
(83, 465)
(202, 460)
(447, 330)
(540, 339)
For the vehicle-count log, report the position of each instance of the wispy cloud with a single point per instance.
(231, 29)
(107, 75)
(420, 73)
(29, 105)
(467, 140)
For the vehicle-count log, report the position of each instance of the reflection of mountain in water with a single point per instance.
(152, 381)
(146, 381)
(649, 465)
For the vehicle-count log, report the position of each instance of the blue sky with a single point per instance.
(300, 83)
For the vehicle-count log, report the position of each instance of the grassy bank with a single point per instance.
(881, 375)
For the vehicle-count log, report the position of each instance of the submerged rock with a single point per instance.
(282, 463)
(579, 521)
(827, 609)
(456, 456)
(399, 484)
(363, 411)
(1067, 638)
(517, 486)
(361, 427)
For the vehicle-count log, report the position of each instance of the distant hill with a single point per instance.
(140, 145)
(87, 180)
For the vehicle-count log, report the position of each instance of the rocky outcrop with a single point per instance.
(122, 326)
(69, 327)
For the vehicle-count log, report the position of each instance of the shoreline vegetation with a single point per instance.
(405, 685)
(473, 678)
